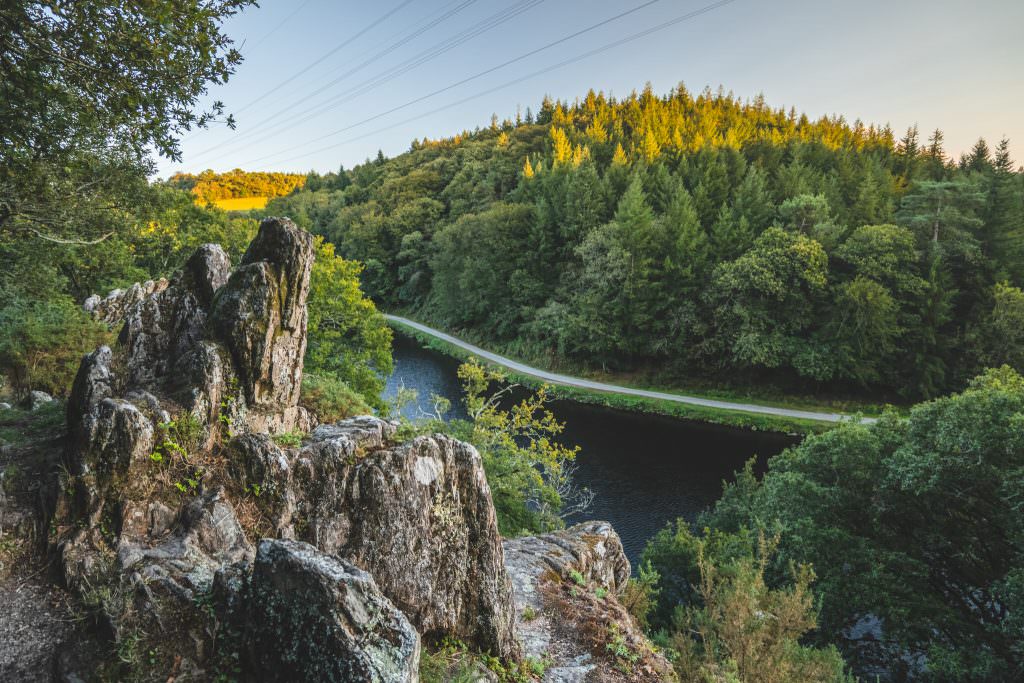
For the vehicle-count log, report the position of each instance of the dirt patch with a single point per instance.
(35, 624)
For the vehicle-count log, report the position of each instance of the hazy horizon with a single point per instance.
(852, 61)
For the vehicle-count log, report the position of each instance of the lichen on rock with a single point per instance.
(315, 617)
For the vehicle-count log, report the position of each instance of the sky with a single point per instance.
(327, 83)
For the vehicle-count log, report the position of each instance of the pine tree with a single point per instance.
(527, 169)
(650, 149)
(979, 159)
(619, 158)
(907, 152)
(936, 156)
(752, 201)
(561, 148)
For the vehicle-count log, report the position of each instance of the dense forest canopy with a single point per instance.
(209, 186)
(699, 234)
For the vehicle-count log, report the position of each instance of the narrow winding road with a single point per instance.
(566, 380)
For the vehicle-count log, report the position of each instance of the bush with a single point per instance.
(42, 343)
(330, 398)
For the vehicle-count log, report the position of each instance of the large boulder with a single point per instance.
(38, 399)
(216, 342)
(418, 516)
(314, 617)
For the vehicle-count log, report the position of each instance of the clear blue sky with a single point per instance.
(955, 65)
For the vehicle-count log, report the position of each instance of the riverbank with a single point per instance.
(757, 416)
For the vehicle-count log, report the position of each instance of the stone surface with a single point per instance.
(153, 523)
(184, 552)
(417, 516)
(260, 314)
(559, 617)
(315, 617)
(38, 399)
(113, 308)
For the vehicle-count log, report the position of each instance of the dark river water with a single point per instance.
(646, 470)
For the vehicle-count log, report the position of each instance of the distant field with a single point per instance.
(241, 203)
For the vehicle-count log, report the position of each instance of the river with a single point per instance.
(646, 470)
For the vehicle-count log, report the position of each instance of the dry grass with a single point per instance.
(609, 632)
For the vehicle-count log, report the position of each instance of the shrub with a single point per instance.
(348, 337)
(330, 398)
(42, 343)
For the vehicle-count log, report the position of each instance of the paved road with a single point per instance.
(566, 380)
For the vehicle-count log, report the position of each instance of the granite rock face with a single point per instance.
(171, 475)
(260, 315)
(417, 516)
(139, 509)
(113, 308)
(557, 578)
(314, 617)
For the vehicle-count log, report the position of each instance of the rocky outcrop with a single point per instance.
(417, 516)
(142, 509)
(172, 475)
(567, 612)
(219, 342)
(260, 314)
(314, 617)
(113, 308)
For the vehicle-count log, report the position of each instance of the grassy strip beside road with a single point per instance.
(745, 415)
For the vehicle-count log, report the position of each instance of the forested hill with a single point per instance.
(699, 234)
(210, 187)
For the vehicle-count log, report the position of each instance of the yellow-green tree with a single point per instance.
(528, 469)
(348, 337)
(746, 632)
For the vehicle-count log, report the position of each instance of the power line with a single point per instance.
(373, 58)
(590, 53)
(483, 73)
(248, 50)
(329, 53)
(379, 79)
(312, 64)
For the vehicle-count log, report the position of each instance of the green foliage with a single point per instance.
(696, 234)
(347, 336)
(289, 440)
(527, 468)
(87, 90)
(617, 646)
(330, 398)
(19, 427)
(1001, 337)
(743, 630)
(915, 522)
(640, 594)
(177, 442)
(42, 344)
(452, 662)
